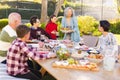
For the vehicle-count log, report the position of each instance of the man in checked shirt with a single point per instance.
(19, 53)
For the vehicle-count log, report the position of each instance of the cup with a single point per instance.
(38, 34)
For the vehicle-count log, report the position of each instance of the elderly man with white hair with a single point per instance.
(8, 33)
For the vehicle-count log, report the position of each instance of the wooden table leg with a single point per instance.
(43, 71)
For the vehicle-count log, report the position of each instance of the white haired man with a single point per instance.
(8, 33)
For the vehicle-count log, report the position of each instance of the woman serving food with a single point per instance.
(70, 25)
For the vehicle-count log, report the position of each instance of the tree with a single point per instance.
(58, 6)
(118, 5)
(44, 11)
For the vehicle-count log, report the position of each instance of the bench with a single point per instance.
(4, 75)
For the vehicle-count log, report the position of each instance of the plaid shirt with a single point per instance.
(18, 55)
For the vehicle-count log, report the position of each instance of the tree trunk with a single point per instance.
(44, 11)
(58, 6)
(118, 5)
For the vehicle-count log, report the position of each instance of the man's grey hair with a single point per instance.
(13, 17)
(66, 11)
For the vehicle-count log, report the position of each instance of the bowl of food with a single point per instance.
(63, 54)
(79, 55)
(96, 58)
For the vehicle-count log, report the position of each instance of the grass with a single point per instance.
(118, 38)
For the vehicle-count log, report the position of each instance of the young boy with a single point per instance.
(19, 53)
(37, 31)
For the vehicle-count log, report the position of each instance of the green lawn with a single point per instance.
(118, 38)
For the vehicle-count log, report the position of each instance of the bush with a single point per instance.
(96, 33)
(87, 24)
(42, 25)
(115, 26)
(59, 26)
(28, 24)
(3, 23)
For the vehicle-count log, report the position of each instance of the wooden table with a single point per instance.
(71, 74)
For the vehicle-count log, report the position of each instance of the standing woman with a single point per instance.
(69, 21)
(51, 27)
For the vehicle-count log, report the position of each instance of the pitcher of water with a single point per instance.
(109, 58)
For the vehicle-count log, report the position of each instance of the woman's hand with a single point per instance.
(53, 32)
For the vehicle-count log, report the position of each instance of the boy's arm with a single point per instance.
(34, 54)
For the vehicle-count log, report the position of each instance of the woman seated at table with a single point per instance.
(51, 27)
(69, 21)
(107, 39)
(37, 31)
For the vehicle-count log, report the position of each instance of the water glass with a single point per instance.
(38, 34)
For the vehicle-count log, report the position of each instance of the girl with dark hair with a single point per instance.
(51, 27)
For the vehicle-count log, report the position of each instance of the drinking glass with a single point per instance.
(38, 34)
(42, 38)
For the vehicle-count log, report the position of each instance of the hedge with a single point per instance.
(87, 25)
(115, 26)
(26, 8)
(3, 23)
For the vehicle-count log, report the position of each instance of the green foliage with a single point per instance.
(28, 24)
(51, 7)
(115, 26)
(119, 9)
(59, 26)
(43, 25)
(4, 6)
(96, 33)
(3, 23)
(87, 24)
(25, 8)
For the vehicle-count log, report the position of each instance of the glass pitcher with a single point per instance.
(109, 58)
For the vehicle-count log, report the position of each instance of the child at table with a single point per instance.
(36, 31)
(107, 38)
(19, 53)
(51, 27)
